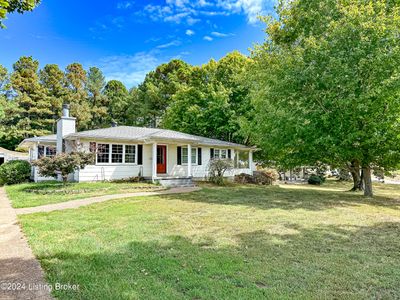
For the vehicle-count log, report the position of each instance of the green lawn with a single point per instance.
(35, 194)
(239, 242)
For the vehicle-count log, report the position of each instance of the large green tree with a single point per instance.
(33, 115)
(76, 96)
(157, 89)
(52, 80)
(98, 101)
(119, 100)
(325, 84)
(213, 100)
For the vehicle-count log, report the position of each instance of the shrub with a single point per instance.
(316, 180)
(15, 171)
(63, 164)
(217, 169)
(244, 178)
(268, 176)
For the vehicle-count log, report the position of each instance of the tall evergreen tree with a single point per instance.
(76, 96)
(119, 101)
(32, 103)
(52, 80)
(98, 101)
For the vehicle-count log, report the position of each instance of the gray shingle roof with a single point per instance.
(148, 134)
(45, 138)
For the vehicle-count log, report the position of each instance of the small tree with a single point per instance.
(217, 169)
(63, 164)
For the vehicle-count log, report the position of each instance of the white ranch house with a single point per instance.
(125, 151)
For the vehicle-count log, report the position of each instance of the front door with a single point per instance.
(161, 159)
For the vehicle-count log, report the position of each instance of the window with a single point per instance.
(130, 154)
(114, 153)
(117, 153)
(103, 153)
(241, 159)
(194, 156)
(185, 155)
(46, 151)
(40, 151)
(223, 154)
(50, 151)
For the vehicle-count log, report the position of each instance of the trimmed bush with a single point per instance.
(217, 169)
(15, 171)
(316, 180)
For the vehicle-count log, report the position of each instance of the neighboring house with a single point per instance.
(7, 155)
(125, 151)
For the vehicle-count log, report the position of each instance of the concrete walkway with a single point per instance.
(21, 276)
(88, 201)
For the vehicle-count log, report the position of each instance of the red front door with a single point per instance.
(161, 159)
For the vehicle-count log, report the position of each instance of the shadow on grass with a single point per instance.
(323, 262)
(282, 198)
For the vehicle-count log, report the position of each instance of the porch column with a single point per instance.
(154, 162)
(189, 166)
(251, 167)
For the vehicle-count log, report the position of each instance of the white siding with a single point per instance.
(115, 171)
(198, 171)
(118, 171)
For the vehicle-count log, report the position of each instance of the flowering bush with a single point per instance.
(63, 164)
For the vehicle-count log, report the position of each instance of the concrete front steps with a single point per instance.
(176, 181)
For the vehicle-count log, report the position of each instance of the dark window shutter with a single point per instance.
(140, 155)
(211, 153)
(229, 154)
(92, 147)
(179, 153)
(199, 156)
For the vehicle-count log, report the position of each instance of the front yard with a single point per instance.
(35, 194)
(236, 242)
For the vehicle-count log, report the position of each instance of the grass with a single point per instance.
(238, 242)
(35, 194)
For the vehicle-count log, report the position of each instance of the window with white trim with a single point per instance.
(221, 153)
(185, 155)
(117, 154)
(130, 154)
(103, 153)
(242, 159)
(46, 151)
(224, 154)
(50, 151)
(216, 153)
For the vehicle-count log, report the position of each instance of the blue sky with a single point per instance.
(127, 39)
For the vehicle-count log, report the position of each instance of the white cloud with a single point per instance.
(170, 44)
(185, 11)
(207, 38)
(189, 32)
(252, 8)
(129, 69)
(220, 34)
(124, 4)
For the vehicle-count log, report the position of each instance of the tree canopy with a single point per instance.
(20, 6)
(326, 84)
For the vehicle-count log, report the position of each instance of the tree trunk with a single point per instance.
(367, 181)
(355, 173)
